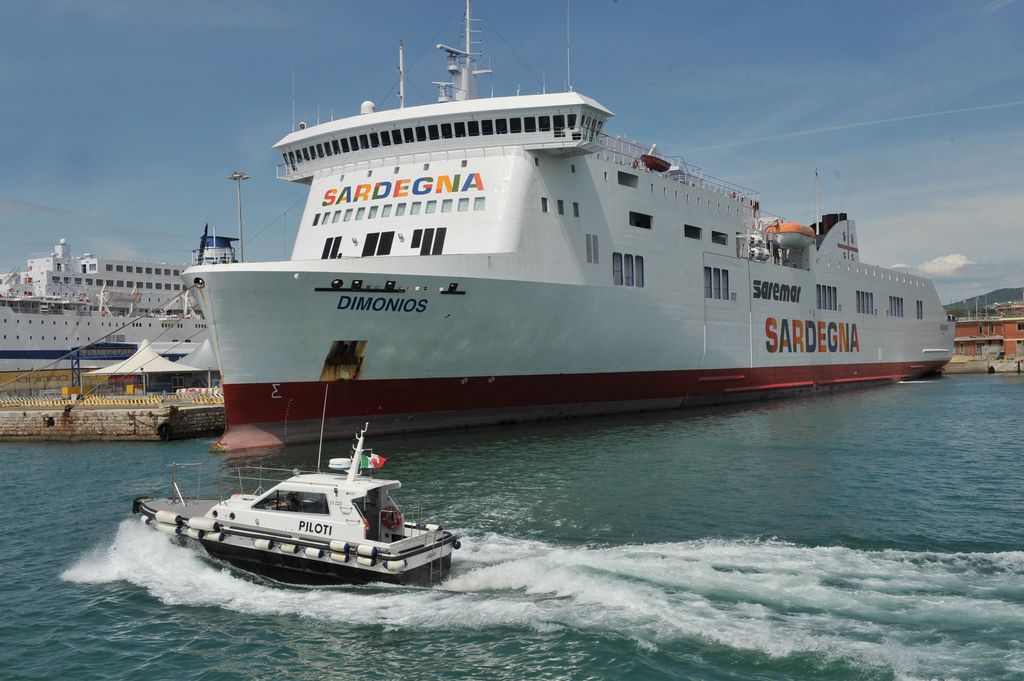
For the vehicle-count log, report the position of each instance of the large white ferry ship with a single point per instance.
(98, 310)
(490, 260)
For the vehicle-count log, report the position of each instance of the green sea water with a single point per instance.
(874, 534)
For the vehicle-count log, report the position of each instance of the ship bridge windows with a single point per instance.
(501, 126)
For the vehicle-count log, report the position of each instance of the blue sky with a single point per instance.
(120, 119)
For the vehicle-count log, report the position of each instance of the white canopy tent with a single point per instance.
(145, 361)
(203, 357)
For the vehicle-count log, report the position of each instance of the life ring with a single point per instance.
(392, 518)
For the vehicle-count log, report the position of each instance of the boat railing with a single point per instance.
(627, 152)
(191, 481)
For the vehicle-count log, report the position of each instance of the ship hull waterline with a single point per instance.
(298, 414)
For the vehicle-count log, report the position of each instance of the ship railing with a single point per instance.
(627, 152)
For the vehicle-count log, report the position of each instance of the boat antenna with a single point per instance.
(401, 74)
(357, 454)
(323, 419)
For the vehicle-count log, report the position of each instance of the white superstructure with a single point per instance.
(478, 261)
(62, 301)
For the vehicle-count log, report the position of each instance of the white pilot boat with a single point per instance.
(311, 528)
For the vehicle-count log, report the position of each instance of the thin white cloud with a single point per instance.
(996, 5)
(945, 265)
(851, 126)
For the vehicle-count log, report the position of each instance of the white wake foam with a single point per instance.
(918, 614)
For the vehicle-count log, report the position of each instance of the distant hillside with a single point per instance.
(1000, 295)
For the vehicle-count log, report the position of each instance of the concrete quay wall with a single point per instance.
(984, 366)
(128, 422)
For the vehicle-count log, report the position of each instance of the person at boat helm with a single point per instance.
(293, 501)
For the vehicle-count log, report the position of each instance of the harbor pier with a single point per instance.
(149, 418)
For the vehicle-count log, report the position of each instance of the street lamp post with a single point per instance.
(238, 176)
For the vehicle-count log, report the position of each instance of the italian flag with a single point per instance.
(371, 461)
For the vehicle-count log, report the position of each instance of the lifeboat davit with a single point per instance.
(791, 235)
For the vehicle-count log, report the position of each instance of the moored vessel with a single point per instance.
(95, 309)
(488, 260)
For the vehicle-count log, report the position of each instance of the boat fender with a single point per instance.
(169, 517)
(339, 557)
(367, 550)
(314, 553)
(456, 545)
(433, 527)
(365, 562)
(168, 529)
(340, 546)
(195, 534)
(394, 565)
(263, 544)
(201, 523)
(288, 548)
(214, 536)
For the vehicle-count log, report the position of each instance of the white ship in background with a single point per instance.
(490, 260)
(103, 306)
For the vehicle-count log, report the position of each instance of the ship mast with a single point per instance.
(462, 85)
(401, 74)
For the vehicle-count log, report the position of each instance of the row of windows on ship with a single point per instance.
(119, 283)
(138, 325)
(558, 124)
(716, 287)
(138, 269)
(414, 208)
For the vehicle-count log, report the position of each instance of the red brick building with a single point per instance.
(999, 336)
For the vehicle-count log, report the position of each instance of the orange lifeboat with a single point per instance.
(791, 235)
(654, 163)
